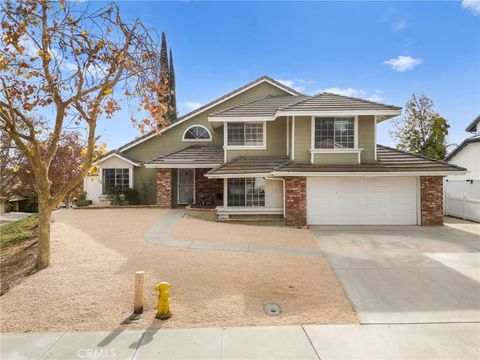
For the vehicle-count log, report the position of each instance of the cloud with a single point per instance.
(472, 5)
(403, 63)
(296, 84)
(358, 93)
(191, 105)
(399, 25)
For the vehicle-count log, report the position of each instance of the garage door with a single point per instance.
(361, 200)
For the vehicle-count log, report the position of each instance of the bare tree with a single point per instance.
(70, 64)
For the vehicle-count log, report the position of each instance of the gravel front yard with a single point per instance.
(95, 253)
(274, 236)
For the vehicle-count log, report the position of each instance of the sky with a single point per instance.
(383, 51)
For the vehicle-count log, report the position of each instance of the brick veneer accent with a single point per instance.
(296, 200)
(207, 189)
(164, 187)
(431, 192)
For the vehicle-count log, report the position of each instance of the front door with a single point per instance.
(186, 187)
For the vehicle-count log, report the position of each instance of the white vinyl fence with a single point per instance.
(462, 199)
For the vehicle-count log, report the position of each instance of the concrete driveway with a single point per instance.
(407, 274)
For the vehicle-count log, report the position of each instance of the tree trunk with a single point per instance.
(44, 219)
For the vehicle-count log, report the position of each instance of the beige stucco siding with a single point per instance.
(366, 141)
(145, 182)
(171, 140)
(366, 137)
(335, 158)
(302, 137)
(276, 142)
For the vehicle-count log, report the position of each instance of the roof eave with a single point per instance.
(134, 163)
(181, 165)
(237, 175)
(472, 126)
(337, 112)
(240, 118)
(369, 173)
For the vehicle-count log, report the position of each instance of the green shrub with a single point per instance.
(132, 197)
(115, 195)
(82, 196)
(31, 204)
(83, 202)
(119, 196)
(82, 199)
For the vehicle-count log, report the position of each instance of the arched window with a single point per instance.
(197, 133)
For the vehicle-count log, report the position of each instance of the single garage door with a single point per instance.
(361, 200)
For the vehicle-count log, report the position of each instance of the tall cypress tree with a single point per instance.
(171, 85)
(164, 60)
(164, 75)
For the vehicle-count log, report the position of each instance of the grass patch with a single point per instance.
(18, 230)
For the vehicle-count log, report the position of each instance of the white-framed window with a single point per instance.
(246, 192)
(197, 133)
(111, 178)
(334, 133)
(246, 134)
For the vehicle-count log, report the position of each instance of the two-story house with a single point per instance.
(267, 150)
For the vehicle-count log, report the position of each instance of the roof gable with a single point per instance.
(472, 127)
(460, 147)
(262, 80)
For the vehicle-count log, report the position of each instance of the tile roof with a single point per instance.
(270, 105)
(327, 101)
(388, 160)
(250, 165)
(193, 154)
(266, 106)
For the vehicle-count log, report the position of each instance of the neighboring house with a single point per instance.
(267, 150)
(462, 192)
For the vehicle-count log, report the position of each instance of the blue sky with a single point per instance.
(376, 50)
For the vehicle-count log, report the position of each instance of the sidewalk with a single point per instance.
(419, 341)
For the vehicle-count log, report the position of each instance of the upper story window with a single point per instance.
(334, 133)
(115, 178)
(197, 133)
(245, 134)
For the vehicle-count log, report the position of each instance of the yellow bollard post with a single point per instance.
(163, 305)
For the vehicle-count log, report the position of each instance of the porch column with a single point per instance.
(164, 187)
(431, 193)
(296, 200)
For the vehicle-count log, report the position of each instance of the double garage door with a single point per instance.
(361, 200)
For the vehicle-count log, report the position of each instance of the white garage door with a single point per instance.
(361, 200)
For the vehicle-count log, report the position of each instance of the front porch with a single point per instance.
(185, 177)
(179, 187)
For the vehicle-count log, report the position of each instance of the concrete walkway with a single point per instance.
(14, 216)
(430, 341)
(159, 234)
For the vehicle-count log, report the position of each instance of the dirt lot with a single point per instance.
(274, 236)
(96, 252)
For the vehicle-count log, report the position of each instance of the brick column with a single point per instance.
(431, 192)
(296, 200)
(164, 187)
(206, 190)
